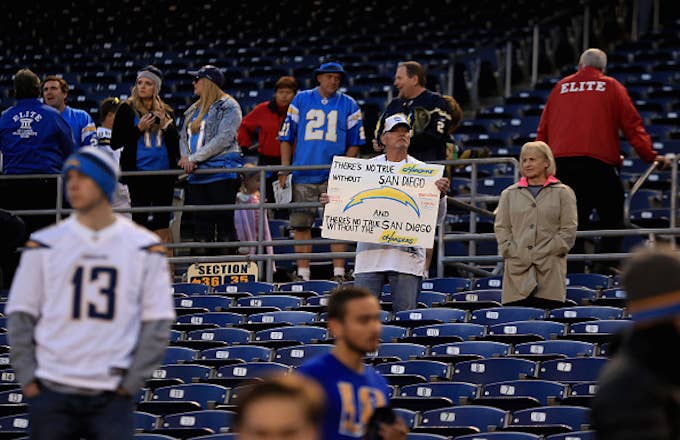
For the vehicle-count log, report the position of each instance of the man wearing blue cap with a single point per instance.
(322, 123)
(637, 396)
(89, 311)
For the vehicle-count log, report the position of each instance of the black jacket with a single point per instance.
(125, 134)
(638, 395)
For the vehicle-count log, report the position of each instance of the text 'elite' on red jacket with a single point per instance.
(583, 116)
(266, 117)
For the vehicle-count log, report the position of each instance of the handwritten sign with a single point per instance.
(214, 274)
(382, 202)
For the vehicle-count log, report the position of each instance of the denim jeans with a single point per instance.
(59, 416)
(405, 287)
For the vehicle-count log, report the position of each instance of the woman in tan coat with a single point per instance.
(535, 227)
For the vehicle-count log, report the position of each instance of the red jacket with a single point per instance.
(583, 116)
(267, 118)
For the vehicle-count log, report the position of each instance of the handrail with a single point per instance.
(638, 183)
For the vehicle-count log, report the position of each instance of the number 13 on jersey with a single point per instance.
(319, 126)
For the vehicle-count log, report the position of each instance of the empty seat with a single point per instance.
(300, 334)
(468, 419)
(229, 335)
(574, 435)
(484, 349)
(400, 350)
(298, 354)
(563, 347)
(245, 353)
(572, 370)
(174, 355)
(455, 391)
(500, 315)
(586, 313)
(318, 286)
(550, 419)
(187, 373)
(279, 301)
(427, 369)
(190, 288)
(195, 423)
(540, 390)
(590, 280)
(253, 287)
(440, 314)
(445, 285)
(490, 370)
(293, 317)
(541, 329)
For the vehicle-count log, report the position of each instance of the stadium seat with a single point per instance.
(144, 421)
(206, 338)
(521, 394)
(548, 420)
(279, 301)
(495, 282)
(187, 373)
(221, 319)
(597, 331)
(399, 350)
(234, 354)
(317, 286)
(434, 316)
(525, 331)
(404, 372)
(483, 349)
(563, 348)
(291, 317)
(461, 420)
(298, 354)
(445, 285)
(581, 295)
(476, 299)
(408, 416)
(300, 334)
(254, 287)
(590, 280)
(572, 370)
(574, 435)
(501, 315)
(392, 332)
(431, 298)
(456, 392)
(225, 436)
(213, 303)
(585, 313)
(175, 399)
(174, 355)
(421, 436)
(195, 423)
(235, 375)
(491, 370)
(445, 333)
(190, 288)
(500, 436)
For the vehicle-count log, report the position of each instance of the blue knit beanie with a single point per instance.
(96, 164)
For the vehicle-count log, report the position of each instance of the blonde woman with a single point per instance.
(144, 128)
(208, 140)
(535, 227)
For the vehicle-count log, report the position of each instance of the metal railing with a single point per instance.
(469, 202)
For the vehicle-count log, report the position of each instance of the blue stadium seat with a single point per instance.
(190, 288)
(292, 317)
(590, 280)
(582, 313)
(202, 393)
(187, 373)
(254, 287)
(574, 435)
(400, 350)
(434, 333)
(229, 335)
(427, 369)
(491, 370)
(455, 391)
(470, 418)
(214, 303)
(431, 298)
(541, 390)
(484, 349)
(225, 436)
(408, 416)
(422, 436)
(602, 326)
(495, 282)
(494, 185)
(175, 355)
(572, 370)
(581, 295)
(391, 332)
(250, 370)
(547, 419)
(321, 300)
(143, 421)
(221, 319)
(445, 285)
(501, 315)
(487, 295)
(301, 334)
(561, 347)
(441, 314)
(196, 423)
(500, 436)
(298, 354)
(280, 301)
(318, 286)
(11, 396)
(247, 353)
(543, 329)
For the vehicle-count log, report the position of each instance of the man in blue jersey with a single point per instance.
(353, 390)
(55, 92)
(322, 123)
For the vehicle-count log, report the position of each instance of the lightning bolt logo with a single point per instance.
(384, 192)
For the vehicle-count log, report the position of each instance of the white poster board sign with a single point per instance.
(382, 202)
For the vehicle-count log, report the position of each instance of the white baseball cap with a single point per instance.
(395, 120)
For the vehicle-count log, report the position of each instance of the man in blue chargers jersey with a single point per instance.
(321, 123)
(353, 390)
(55, 92)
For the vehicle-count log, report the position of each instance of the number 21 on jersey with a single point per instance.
(314, 129)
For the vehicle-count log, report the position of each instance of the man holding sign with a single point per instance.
(393, 215)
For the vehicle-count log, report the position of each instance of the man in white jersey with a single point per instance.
(89, 311)
(401, 266)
